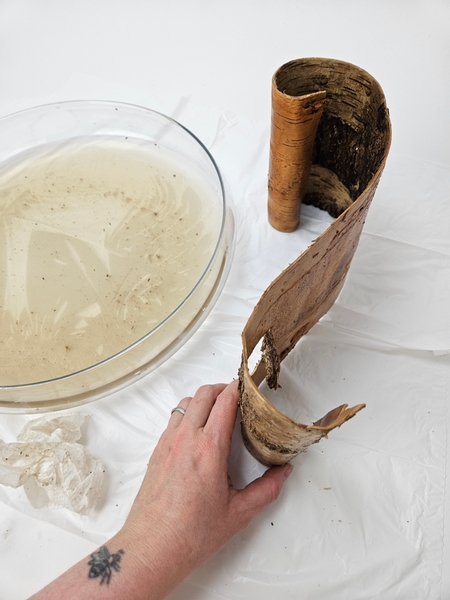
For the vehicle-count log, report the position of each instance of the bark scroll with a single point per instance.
(330, 139)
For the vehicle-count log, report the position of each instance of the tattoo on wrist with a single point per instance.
(103, 563)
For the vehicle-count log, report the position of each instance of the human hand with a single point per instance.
(186, 509)
(187, 503)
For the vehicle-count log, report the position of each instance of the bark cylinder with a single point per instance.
(294, 125)
(338, 151)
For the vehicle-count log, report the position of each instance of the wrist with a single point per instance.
(155, 559)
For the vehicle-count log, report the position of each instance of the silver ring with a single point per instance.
(178, 409)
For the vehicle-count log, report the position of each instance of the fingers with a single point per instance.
(176, 417)
(264, 490)
(200, 406)
(223, 413)
(202, 403)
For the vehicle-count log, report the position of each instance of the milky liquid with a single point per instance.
(99, 242)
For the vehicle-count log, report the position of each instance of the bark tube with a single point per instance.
(294, 126)
(340, 174)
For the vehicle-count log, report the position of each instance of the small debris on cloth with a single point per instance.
(55, 470)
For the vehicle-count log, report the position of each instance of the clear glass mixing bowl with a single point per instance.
(90, 210)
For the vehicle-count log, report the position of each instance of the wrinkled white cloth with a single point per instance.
(55, 470)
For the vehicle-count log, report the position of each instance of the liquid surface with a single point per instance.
(99, 243)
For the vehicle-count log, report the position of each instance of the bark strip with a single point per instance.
(345, 160)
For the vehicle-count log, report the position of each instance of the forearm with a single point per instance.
(135, 568)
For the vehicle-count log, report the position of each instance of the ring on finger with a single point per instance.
(178, 409)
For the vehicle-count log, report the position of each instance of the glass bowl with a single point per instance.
(115, 242)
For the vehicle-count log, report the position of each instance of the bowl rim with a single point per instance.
(226, 215)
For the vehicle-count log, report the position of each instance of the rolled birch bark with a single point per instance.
(340, 174)
(294, 126)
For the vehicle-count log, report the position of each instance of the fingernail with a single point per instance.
(288, 470)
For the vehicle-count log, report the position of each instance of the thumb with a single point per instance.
(264, 490)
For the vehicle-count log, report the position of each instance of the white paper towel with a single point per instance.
(55, 470)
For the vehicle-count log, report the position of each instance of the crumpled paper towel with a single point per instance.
(55, 470)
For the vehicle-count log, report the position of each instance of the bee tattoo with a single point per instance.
(103, 563)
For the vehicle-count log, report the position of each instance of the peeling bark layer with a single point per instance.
(330, 140)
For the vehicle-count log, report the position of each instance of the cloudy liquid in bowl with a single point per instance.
(100, 241)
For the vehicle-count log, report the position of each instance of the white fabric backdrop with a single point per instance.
(363, 514)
